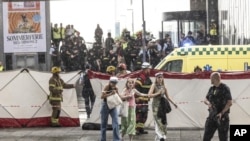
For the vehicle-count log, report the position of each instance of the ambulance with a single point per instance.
(214, 58)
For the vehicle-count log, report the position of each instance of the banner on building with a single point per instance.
(24, 26)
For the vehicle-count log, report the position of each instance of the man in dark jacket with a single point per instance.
(87, 92)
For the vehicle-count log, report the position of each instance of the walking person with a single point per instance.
(128, 121)
(157, 91)
(87, 92)
(56, 86)
(219, 101)
(109, 89)
(142, 84)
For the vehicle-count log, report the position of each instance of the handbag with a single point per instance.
(123, 112)
(113, 101)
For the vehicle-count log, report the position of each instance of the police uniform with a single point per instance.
(88, 94)
(56, 35)
(142, 84)
(56, 86)
(218, 97)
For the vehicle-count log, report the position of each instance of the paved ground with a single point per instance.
(77, 134)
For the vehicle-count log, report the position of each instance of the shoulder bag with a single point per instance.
(113, 101)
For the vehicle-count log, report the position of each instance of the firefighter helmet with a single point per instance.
(55, 69)
(110, 68)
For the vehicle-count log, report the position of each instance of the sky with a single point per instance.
(86, 14)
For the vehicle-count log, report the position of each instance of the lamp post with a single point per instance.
(132, 11)
(144, 33)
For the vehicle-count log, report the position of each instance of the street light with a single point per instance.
(132, 11)
(144, 33)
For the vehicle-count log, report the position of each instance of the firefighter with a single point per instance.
(56, 86)
(111, 70)
(142, 84)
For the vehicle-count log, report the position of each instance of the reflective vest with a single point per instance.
(213, 32)
(1, 68)
(56, 34)
(124, 45)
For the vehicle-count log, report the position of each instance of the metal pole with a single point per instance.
(144, 34)
(133, 21)
(132, 12)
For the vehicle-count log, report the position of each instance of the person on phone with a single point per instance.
(109, 89)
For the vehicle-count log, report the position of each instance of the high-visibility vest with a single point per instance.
(1, 68)
(56, 34)
(125, 45)
(213, 32)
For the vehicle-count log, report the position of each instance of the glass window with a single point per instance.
(173, 66)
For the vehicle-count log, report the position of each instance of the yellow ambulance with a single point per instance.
(219, 57)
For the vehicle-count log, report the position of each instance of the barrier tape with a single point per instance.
(32, 106)
(178, 103)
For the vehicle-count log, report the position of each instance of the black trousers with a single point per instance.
(212, 125)
(89, 98)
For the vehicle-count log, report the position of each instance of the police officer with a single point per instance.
(142, 84)
(219, 101)
(56, 35)
(56, 86)
(87, 92)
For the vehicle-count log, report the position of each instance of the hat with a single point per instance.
(159, 74)
(145, 65)
(113, 79)
(110, 68)
(55, 69)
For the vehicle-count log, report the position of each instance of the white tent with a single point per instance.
(189, 91)
(24, 99)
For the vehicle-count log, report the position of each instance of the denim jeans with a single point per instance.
(105, 111)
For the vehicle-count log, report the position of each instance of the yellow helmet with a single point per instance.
(55, 69)
(110, 68)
